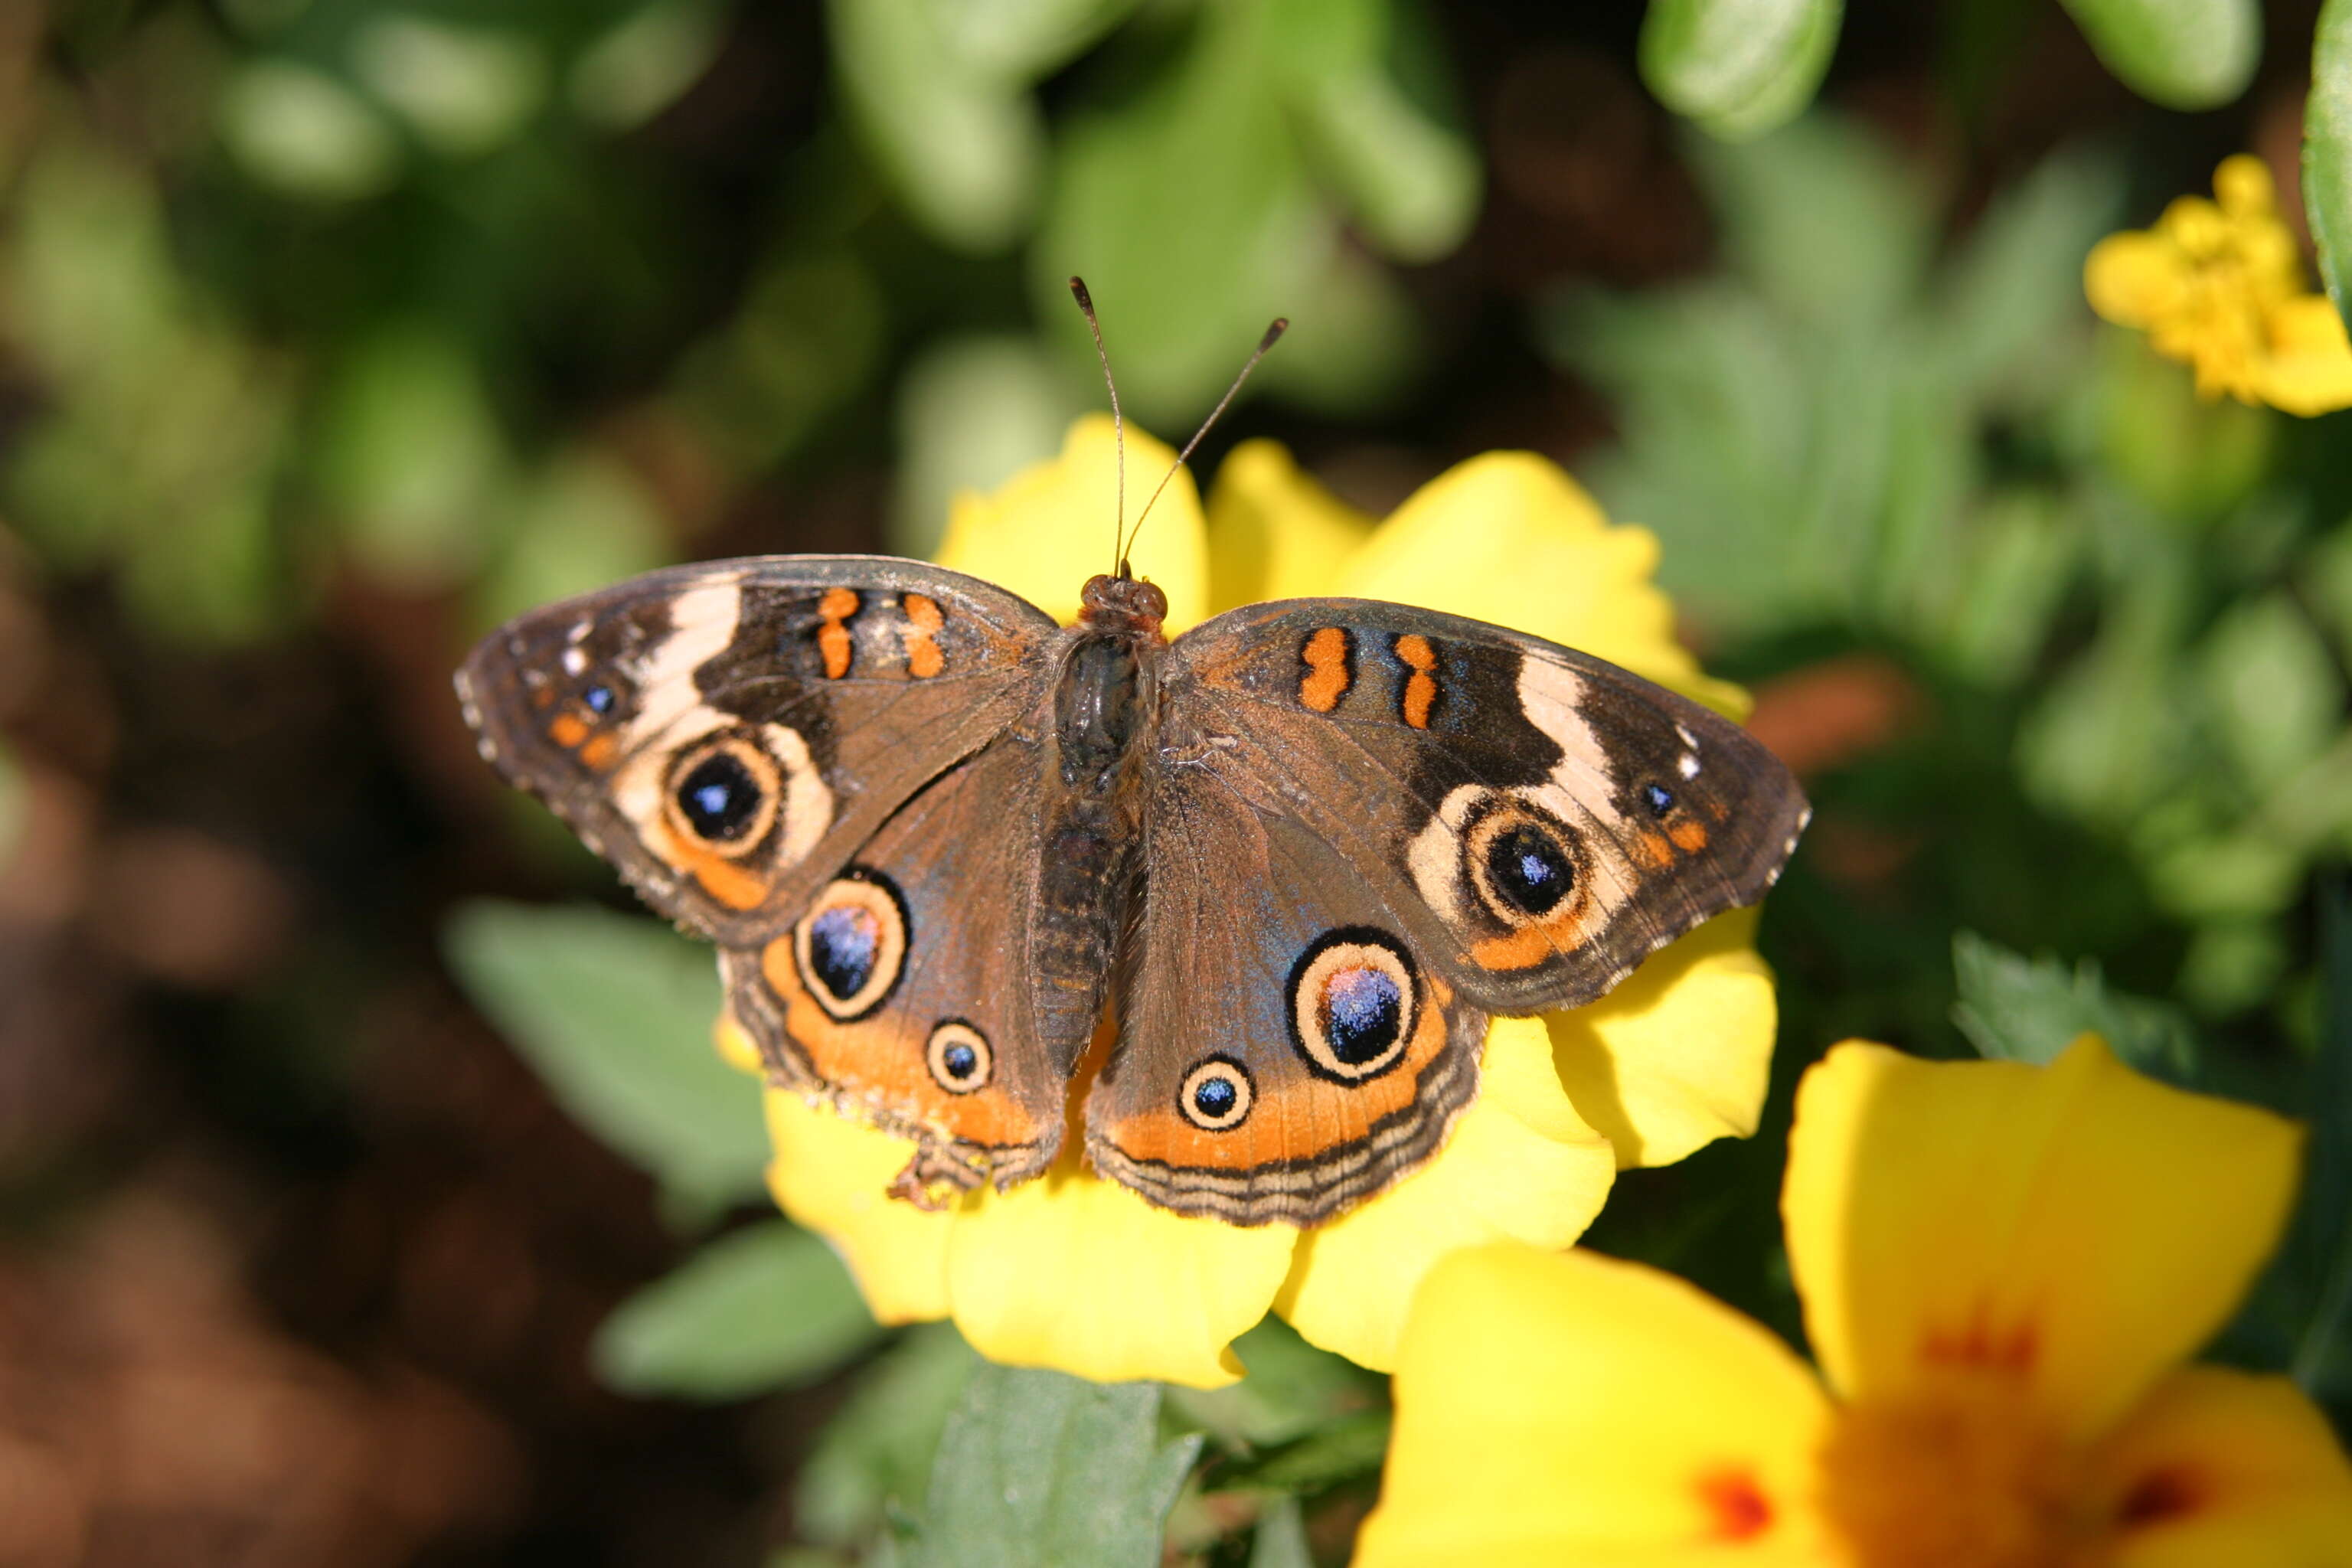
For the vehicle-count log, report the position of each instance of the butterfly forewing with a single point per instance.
(727, 735)
(1545, 819)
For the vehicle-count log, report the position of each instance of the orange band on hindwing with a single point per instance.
(1421, 689)
(1330, 657)
(832, 639)
(924, 658)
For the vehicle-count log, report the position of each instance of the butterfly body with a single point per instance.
(1300, 853)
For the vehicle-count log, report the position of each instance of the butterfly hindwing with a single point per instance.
(899, 991)
(1286, 1048)
(1543, 819)
(724, 733)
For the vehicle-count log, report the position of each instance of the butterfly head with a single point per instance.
(1121, 603)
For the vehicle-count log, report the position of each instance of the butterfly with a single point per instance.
(1301, 853)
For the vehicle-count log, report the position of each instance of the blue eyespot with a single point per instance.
(960, 1061)
(598, 698)
(719, 797)
(1658, 798)
(843, 942)
(1363, 1011)
(1215, 1095)
(1530, 870)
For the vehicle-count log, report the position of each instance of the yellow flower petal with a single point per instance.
(2220, 1466)
(1558, 1409)
(1048, 527)
(2243, 188)
(2136, 279)
(2309, 368)
(1681, 1053)
(1072, 1271)
(833, 1175)
(1520, 1165)
(1507, 537)
(735, 1047)
(1273, 533)
(2079, 1225)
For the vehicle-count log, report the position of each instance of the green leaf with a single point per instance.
(615, 1012)
(582, 521)
(2321, 1241)
(644, 64)
(768, 1306)
(965, 149)
(2019, 1010)
(1826, 219)
(2327, 150)
(1292, 1389)
(2013, 295)
(307, 133)
(409, 452)
(1348, 1449)
(2182, 54)
(1410, 175)
(1739, 68)
(2270, 687)
(1187, 282)
(874, 1455)
(1038, 1469)
(1021, 40)
(1280, 1540)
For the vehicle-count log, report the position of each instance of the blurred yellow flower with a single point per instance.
(2217, 285)
(2002, 1269)
(1075, 1272)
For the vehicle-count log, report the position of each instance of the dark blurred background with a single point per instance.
(333, 331)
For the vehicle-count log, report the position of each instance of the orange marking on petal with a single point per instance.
(1327, 676)
(2161, 1496)
(833, 640)
(1421, 690)
(568, 730)
(924, 658)
(1689, 836)
(1736, 1507)
(1980, 1343)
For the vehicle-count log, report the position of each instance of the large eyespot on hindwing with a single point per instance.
(959, 1057)
(851, 947)
(722, 794)
(1216, 1095)
(1524, 863)
(1351, 1003)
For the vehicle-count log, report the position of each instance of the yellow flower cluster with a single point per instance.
(2002, 1269)
(2218, 285)
(1075, 1272)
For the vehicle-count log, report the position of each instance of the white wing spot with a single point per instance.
(1687, 766)
(575, 659)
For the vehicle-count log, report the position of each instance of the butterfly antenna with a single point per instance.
(1118, 425)
(1272, 335)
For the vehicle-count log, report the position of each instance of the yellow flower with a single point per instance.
(2218, 285)
(2002, 1269)
(1073, 1271)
